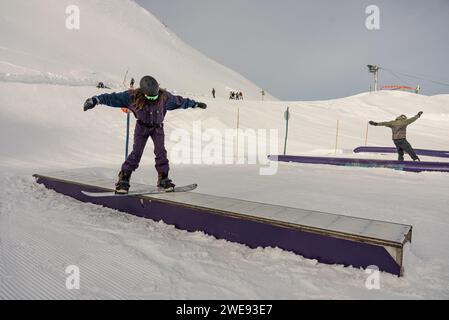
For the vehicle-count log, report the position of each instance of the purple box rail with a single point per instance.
(421, 152)
(329, 238)
(411, 166)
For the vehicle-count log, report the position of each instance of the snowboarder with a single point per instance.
(213, 92)
(149, 104)
(399, 128)
(131, 84)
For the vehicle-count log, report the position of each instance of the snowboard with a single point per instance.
(151, 190)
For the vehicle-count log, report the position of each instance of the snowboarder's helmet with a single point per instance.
(149, 86)
(401, 117)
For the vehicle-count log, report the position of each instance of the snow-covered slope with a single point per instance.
(50, 128)
(43, 128)
(114, 36)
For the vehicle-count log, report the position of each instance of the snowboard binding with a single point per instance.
(163, 182)
(122, 185)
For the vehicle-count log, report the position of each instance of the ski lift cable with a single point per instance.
(420, 75)
(397, 77)
(426, 79)
(419, 78)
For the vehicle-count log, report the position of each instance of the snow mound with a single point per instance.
(114, 36)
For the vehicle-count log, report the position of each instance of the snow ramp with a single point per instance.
(328, 238)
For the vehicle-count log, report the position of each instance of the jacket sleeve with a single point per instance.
(386, 124)
(115, 100)
(411, 120)
(177, 102)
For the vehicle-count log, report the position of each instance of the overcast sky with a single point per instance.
(319, 49)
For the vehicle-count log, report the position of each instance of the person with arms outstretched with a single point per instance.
(399, 129)
(149, 104)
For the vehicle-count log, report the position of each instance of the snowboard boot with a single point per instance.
(164, 182)
(122, 185)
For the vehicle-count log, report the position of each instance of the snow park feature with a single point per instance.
(329, 238)
(409, 166)
(420, 152)
(303, 232)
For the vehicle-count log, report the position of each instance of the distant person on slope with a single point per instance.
(399, 128)
(149, 103)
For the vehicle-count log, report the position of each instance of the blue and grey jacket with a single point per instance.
(154, 112)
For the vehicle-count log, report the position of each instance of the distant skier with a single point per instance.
(399, 128)
(100, 85)
(149, 103)
(213, 92)
(131, 84)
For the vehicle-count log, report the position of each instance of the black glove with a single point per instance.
(373, 123)
(420, 113)
(90, 103)
(201, 105)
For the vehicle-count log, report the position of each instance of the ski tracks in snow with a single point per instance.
(121, 256)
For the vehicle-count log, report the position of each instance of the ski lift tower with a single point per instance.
(374, 70)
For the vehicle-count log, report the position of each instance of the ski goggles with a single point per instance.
(152, 98)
